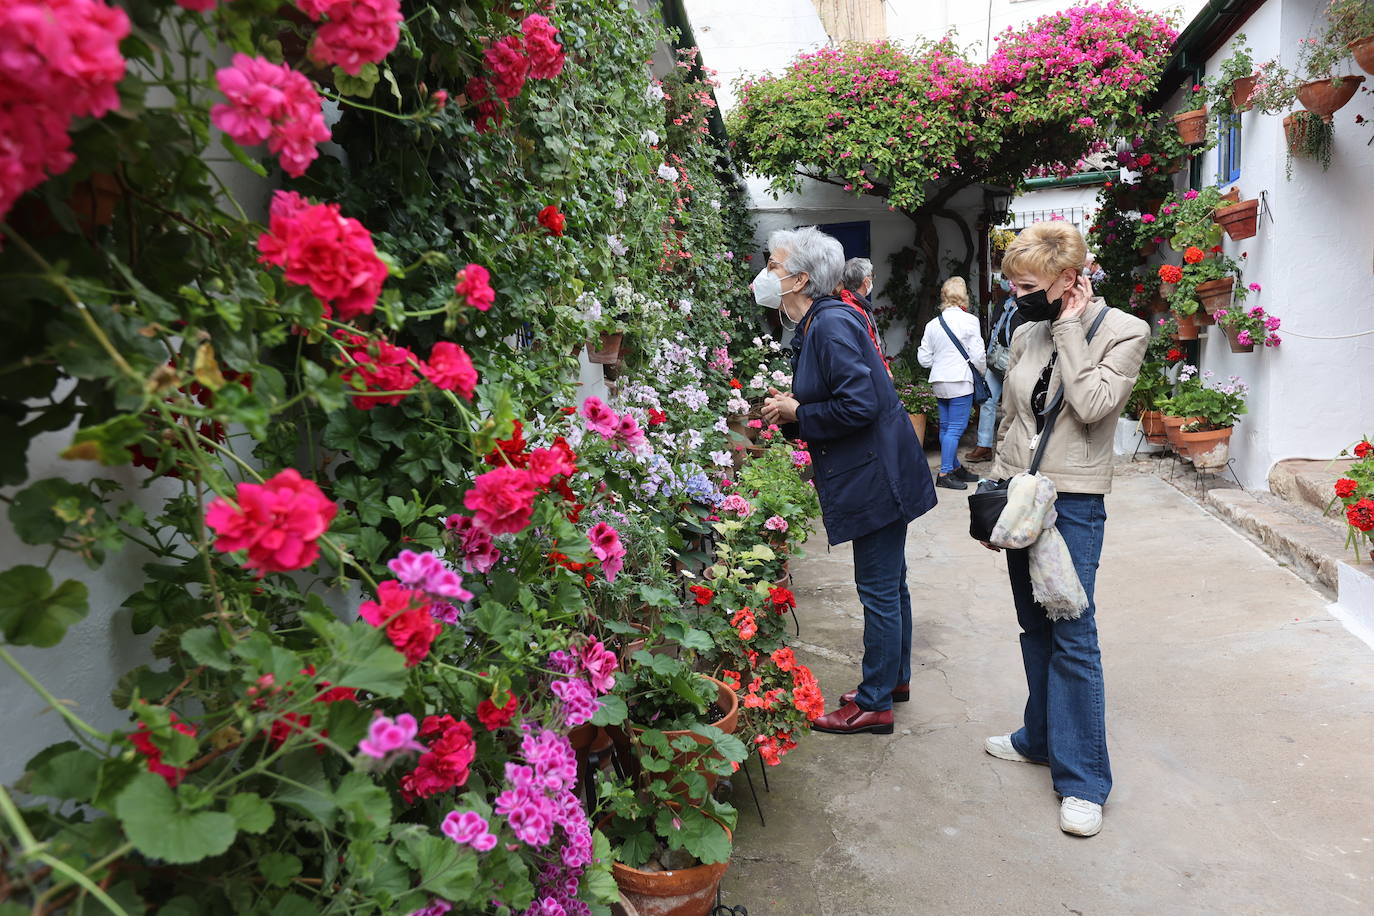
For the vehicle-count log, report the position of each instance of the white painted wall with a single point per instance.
(1314, 258)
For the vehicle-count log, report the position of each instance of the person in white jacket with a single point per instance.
(951, 375)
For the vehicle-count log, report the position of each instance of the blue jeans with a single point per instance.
(1065, 721)
(953, 421)
(880, 578)
(987, 413)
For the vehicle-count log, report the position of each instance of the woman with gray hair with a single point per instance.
(857, 279)
(870, 472)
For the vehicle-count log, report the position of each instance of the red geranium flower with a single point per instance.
(1194, 254)
(782, 599)
(1170, 273)
(445, 765)
(1346, 487)
(142, 740)
(1174, 355)
(493, 716)
(703, 594)
(552, 220)
(1363, 449)
(405, 614)
(748, 628)
(735, 383)
(277, 522)
(657, 417)
(1360, 514)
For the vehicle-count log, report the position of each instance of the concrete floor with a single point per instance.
(1241, 728)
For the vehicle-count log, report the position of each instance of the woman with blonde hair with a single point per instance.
(1073, 363)
(951, 374)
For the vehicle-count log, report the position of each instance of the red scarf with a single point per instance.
(848, 297)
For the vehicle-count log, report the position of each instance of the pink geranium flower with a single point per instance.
(450, 369)
(600, 418)
(278, 522)
(502, 500)
(271, 103)
(606, 545)
(385, 736)
(473, 283)
(319, 247)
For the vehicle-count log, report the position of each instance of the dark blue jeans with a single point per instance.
(880, 578)
(1065, 721)
(954, 414)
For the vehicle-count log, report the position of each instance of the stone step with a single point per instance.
(1308, 545)
(1310, 483)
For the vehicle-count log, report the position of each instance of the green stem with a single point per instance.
(80, 878)
(75, 721)
(343, 100)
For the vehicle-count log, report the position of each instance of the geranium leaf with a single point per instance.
(32, 612)
(251, 813)
(160, 828)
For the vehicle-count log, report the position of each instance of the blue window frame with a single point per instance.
(1229, 149)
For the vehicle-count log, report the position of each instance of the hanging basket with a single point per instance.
(1363, 51)
(1192, 126)
(1187, 326)
(1240, 92)
(1240, 220)
(1236, 346)
(1215, 294)
(1324, 98)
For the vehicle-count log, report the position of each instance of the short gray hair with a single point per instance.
(856, 270)
(812, 252)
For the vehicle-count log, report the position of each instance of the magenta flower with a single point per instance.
(1254, 287)
(1147, 218)
(608, 549)
(386, 735)
(469, 828)
(600, 418)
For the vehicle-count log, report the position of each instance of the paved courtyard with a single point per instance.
(1240, 720)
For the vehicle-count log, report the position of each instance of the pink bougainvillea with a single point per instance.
(59, 60)
(271, 103)
(356, 32)
(277, 522)
(319, 247)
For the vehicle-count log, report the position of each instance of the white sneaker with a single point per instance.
(1079, 817)
(1001, 746)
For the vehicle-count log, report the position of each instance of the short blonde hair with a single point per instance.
(954, 292)
(1044, 249)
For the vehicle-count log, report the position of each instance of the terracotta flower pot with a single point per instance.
(607, 352)
(1323, 98)
(623, 907)
(1215, 294)
(1204, 318)
(918, 423)
(1208, 449)
(1187, 326)
(728, 701)
(1240, 92)
(1239, 220)
(1363, 50)
(1173, 427)
(1167, 289)
(683, 892)
(1236, 346)
(1192, 125)
(1152, 425)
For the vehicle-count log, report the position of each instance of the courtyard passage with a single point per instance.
(1241, 729)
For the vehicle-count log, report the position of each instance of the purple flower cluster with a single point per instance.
(469, 828)
(427, 572)
(591, 668)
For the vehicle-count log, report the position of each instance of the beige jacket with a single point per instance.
(1097, 379)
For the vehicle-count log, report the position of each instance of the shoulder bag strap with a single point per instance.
(1051, 412)
(959, 346)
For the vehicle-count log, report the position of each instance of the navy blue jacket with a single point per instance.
(870, 469)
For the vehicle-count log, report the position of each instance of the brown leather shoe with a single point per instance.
(900, 694)
(980, 453)
(849, 719)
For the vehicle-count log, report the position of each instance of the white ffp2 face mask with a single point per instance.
(767, 289)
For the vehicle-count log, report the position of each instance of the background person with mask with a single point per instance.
(870, 472)
(1064, 724)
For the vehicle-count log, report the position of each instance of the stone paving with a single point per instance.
(1240, 720)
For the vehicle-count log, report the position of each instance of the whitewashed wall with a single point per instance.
(1314, 259)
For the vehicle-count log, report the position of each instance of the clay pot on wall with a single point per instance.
(607, 352)
(1240, 92)
(1325, 97)
(1363, 50)
(1192, 126)
(1215, 294)
(1240, 220)
(1237, 346)
(1187, 326)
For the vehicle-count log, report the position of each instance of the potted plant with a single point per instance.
(1309, 136)
(1209, 280)
(1352, 21)
(1239, 220)
(1234, 82)
(917, 397)
(1212, 411)
(1275, 87)
(1192, 124)
(1326, 90)
(1356, 493)
(1245, 329)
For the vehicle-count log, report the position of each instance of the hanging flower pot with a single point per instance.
(1192, 125)
(1363, 49)
(1240, 92)
(1215, 294)
(1187, 326)
(1204, 318)
(1239, 220)
(1326, 97)
(1207, 450)
(607, 352)
(1236, 345)
(1152, 425)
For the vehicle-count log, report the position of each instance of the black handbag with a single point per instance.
(985, 504)
(981, 391)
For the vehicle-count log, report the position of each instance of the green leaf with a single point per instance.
(32, 612)
(598, 880)
(106, 442)
(41, 512)
(69, 775)
(360, 86)
(160, 828)
(446, 869)
(637, 849)
(279, 868)
(363, 801)
(251, 813)
(243, 158)
(383, 672)
(612, 712)
(205, 646)
(304, 788)
(294, 905)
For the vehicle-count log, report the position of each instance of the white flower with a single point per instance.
(757, 382)
(722, 426)
(684, 306)
(774, 345)
(617, 245)
(654, 93)
(781, 378)
(758, 341)
(620, 197)
(667, 172)
(650, 137)
(737, 405)
(715, 204)
(721, 459)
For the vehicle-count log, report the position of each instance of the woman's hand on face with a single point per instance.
(1076, 298)
(780, 407)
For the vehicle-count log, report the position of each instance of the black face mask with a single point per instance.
(1037, 306)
